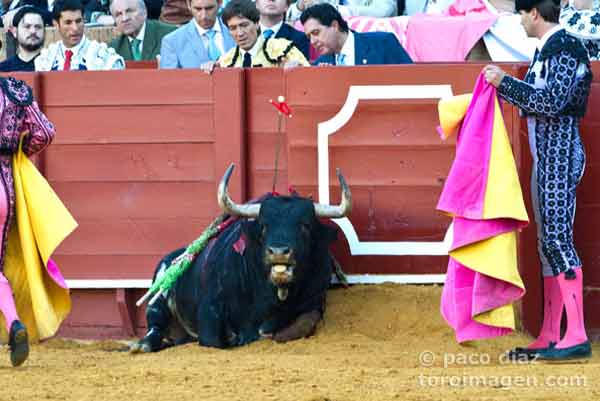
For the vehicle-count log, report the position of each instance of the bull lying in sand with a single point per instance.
(265, 275)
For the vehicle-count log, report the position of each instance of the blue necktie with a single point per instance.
(341, 59)
(213, 51)
(268, 33)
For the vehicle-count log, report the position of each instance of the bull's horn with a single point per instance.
(343, 208)
(230, 207)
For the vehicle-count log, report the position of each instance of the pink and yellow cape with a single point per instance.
(483, 194)
(42, 223)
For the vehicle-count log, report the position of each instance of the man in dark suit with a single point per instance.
(338, 45)
(271, 24)
(140, 37)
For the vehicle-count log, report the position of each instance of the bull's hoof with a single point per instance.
(264, 334)
(18, 343)
(268, 328)
(152, 342)
(140, 347)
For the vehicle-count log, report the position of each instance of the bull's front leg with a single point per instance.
(304, 326)
(210, 325)
(157, 319)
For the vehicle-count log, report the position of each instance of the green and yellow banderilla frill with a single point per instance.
(167, 280)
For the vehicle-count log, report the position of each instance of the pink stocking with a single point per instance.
(553, 308)
(572, 294)
(7, 302)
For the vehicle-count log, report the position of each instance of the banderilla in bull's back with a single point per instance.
(165, 281)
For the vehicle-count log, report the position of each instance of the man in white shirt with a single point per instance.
(205, 38)
(75, 51)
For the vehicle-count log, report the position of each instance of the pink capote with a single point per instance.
(467, 292)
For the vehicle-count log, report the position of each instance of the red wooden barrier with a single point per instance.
(138, 155)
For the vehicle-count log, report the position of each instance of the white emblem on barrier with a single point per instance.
(358, 247)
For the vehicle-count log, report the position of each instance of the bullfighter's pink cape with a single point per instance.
(483, 194)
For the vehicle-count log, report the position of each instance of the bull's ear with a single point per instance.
(252, 229)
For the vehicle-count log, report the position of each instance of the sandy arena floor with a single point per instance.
(377, 343)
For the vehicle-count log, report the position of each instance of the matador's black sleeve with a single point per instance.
(561, 86)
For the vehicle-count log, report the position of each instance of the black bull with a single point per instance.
(265, 275)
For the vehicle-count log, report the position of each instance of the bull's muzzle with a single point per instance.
(281, 260)
(282, 275)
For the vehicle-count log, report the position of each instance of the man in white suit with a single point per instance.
(205, 38)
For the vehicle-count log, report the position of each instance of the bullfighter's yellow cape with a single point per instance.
(42, 223)
(483, 195)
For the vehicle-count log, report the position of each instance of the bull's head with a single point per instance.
(288, 228)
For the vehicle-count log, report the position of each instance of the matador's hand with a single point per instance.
(493, 74)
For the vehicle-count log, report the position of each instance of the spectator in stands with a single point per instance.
(205, 38)
(176, 12)
(153, 8)
(75, 51)
(272, 13)
(29, 25)
(253, 49)
(90, 7)
(9, 8)
(140, 38)
(104, 17)
(581, 18)
(348, 8)
(338, 45)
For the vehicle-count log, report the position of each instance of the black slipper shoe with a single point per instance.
(18, 343)
(573, 353)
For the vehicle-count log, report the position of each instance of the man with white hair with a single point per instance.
(140, 37)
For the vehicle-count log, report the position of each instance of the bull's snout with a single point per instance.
(282, 263)
(279, 255)
(279, 251)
